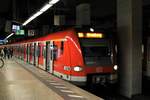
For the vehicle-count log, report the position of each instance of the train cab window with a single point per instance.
(96, 52)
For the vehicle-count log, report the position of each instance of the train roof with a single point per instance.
(55, 35)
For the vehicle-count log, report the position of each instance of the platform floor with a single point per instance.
(20, 83)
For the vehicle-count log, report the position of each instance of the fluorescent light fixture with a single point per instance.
(42, 10)
(32, 17)
(9, 36)
(53, 1)
(46, 7)
(37, 14)
(27, 21)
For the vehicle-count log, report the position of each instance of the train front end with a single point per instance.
(99, 57)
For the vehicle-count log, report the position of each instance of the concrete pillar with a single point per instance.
(28, 7)
(83, 15)
(129, 26)
(45, 29)
(59, 19)
(8, 26)
(14, 10)
(147, 72)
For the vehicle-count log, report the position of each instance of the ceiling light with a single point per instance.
(9, 36)
(46, 7)
(37, 14)
(43, 9)
(29, 20)
(32, 17)
(53, 1)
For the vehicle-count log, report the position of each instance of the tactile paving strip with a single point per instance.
(52, 82)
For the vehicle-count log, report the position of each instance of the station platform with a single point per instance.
(20, 81)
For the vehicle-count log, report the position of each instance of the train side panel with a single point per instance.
(62, 60)
(76, 60)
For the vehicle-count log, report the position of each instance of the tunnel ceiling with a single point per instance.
(100, 9)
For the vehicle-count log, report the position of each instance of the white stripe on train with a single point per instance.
(71, 78)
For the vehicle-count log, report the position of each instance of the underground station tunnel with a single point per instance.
(74, 50)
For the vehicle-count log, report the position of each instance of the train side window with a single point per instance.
(62, 47)
(27, 49)
(55, 52)
(30, 49)
(21, 49)
(44, 52)
(38, 51)
(35, 51)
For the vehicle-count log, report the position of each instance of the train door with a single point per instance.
(49, 56)
(18, 52)
(21, 51)
(25, 53)
(28, 49)
(44, 55)
(41, 56)
(39, 53)
(62, 59)
(31, 53)
(36, 53)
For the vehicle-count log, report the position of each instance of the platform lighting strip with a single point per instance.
(42, 10)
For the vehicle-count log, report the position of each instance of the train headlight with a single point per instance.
(77, 69)
(115, 67)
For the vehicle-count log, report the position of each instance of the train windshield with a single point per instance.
(96, 52)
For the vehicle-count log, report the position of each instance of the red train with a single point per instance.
(79, 57)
